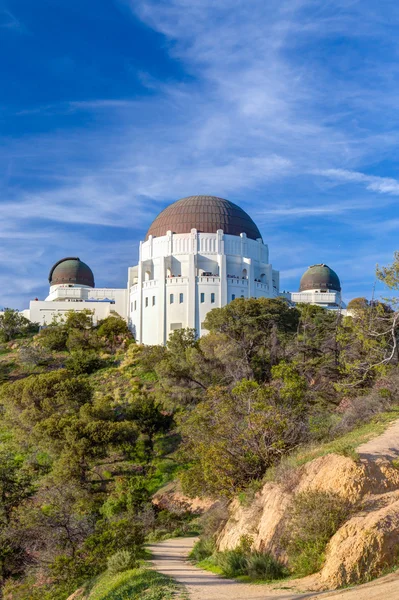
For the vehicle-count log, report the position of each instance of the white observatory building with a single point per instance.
(319, 285)
(200, 253)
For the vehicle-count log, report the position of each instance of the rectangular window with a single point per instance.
(135, 305)
(202, 298)
(181, 298)
(131, 307)
(146, 302)
(171, 299)
(153, 300)
(233, 296)
(212, 298)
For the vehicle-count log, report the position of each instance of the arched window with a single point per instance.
(147, 276)
(263, 278)
(168, 272)
(244, 273)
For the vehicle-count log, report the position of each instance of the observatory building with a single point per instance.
(319, 285)
(200, 253)
(72, 288)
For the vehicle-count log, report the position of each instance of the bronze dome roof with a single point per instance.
(320, 277)
(207, 214)
(71, 270)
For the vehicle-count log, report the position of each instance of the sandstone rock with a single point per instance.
(172, 498)
(362, 547)
(262, 520)
(351, 480)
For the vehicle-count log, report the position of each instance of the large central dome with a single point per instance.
(207, 214)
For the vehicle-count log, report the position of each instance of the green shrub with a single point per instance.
(232, 562)
(315, 517)
(81, 362)
(263, 566)
(204, 548)
(121, 561)
(53, 338)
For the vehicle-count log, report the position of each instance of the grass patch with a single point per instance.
(135, 584)
(345, 444)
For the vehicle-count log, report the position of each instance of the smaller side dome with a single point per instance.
(320, 277)
(71, 270)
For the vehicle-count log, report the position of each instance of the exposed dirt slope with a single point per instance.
(366, 544)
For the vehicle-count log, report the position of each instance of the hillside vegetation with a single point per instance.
(93, 424)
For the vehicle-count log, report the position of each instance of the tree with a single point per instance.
(255, 332)
(232, 437)
(183, 372)
(13, 325)
(114, 329)
(390, 274)
(149, 418)
(316, 350)
(360, 303)
(15, 487)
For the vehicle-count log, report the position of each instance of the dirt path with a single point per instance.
(385, 445)
(169, 557)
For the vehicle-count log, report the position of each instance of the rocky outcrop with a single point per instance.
(171, 498)
(362, 547)
(366, 544)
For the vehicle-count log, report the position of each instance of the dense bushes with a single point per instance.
(121, 561)
(314, 518)
(241, 561)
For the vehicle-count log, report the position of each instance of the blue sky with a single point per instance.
(110, 110)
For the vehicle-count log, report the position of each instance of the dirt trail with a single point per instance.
(385, 445)
(170, 558)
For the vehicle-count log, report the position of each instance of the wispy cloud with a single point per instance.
(268, 113)
(9, 21)
(383, 185)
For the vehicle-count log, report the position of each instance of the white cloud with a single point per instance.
(383, 185)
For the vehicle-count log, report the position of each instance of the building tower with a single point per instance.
(200, 253)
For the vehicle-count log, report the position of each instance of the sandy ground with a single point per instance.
(385, 445)
(169, 557)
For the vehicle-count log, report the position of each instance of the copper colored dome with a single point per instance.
(320, 277)
(207, 214)
(71, 270)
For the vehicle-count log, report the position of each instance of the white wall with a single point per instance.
(175, 263)
(82, 293)
(43, 312)
(321, 298)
